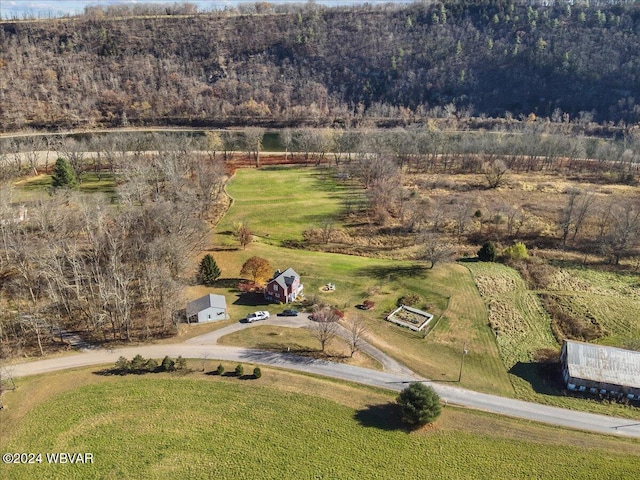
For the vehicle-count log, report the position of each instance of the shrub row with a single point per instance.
(140, 365)
(239, 371)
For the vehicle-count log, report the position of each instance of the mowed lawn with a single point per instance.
(198, 426)
(281, 203)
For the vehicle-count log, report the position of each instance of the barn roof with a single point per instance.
(208, 301)
(598, 363)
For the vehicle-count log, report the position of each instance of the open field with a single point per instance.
(280, 203)
(521, 325)
(230, 428)
(447, 291)
(522, 328)
(501, 365)
(611, 301)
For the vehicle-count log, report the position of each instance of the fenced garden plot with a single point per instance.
(410, 317)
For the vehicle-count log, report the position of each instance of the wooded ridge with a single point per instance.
(325, 66)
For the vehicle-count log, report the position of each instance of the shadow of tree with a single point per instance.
(223, 249)
(394, 272)
(228, 282)
(386, 416)
(275, 358)
(469, 260)
(286, 347)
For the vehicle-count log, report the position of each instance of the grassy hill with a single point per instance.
(200, 426)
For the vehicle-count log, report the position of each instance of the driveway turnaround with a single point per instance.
(302, 321)
(388, 380)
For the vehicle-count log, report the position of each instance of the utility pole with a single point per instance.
(464, 352)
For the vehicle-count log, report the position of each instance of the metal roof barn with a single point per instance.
(600, 366)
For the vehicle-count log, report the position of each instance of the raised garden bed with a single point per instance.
(410, 317)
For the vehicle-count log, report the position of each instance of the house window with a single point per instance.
(275, 288)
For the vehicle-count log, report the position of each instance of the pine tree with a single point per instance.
(208, 272)
(63, 174)
(420, 405)
(487, 253)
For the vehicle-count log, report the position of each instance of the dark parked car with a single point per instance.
(289, 313)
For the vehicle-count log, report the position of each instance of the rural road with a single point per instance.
(388, 380)
(302, 321)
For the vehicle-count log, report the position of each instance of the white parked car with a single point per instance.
(255, 316)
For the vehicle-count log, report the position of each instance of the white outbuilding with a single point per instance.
(209, 308)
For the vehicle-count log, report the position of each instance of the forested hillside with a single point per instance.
(323, 66)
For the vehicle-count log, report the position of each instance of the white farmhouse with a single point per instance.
(209, 308)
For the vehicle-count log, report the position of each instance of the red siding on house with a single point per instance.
(276, 292)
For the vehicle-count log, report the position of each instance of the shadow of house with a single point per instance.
(251, 299)
(544, 378)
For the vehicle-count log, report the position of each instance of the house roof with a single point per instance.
(597, 363)
(208, 301)
(286, 278)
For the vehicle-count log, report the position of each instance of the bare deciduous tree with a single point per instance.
(253, 137)
(574, 213)
(435, 248)
(326, 325)
(242, 231)
(495, 172)
(357, 330)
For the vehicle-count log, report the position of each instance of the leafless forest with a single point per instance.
(278, 66)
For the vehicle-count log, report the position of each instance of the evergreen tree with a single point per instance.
(168, 365)
(208, 272)
(420, 404)
(63, 174)
(487, 252)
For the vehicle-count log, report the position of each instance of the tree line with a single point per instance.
(342, 66)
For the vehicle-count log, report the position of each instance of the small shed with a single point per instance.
(209, 308)
(599, 369)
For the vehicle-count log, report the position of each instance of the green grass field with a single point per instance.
(521, 325)
(199, 426)
(280, 203)
(447, 291)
